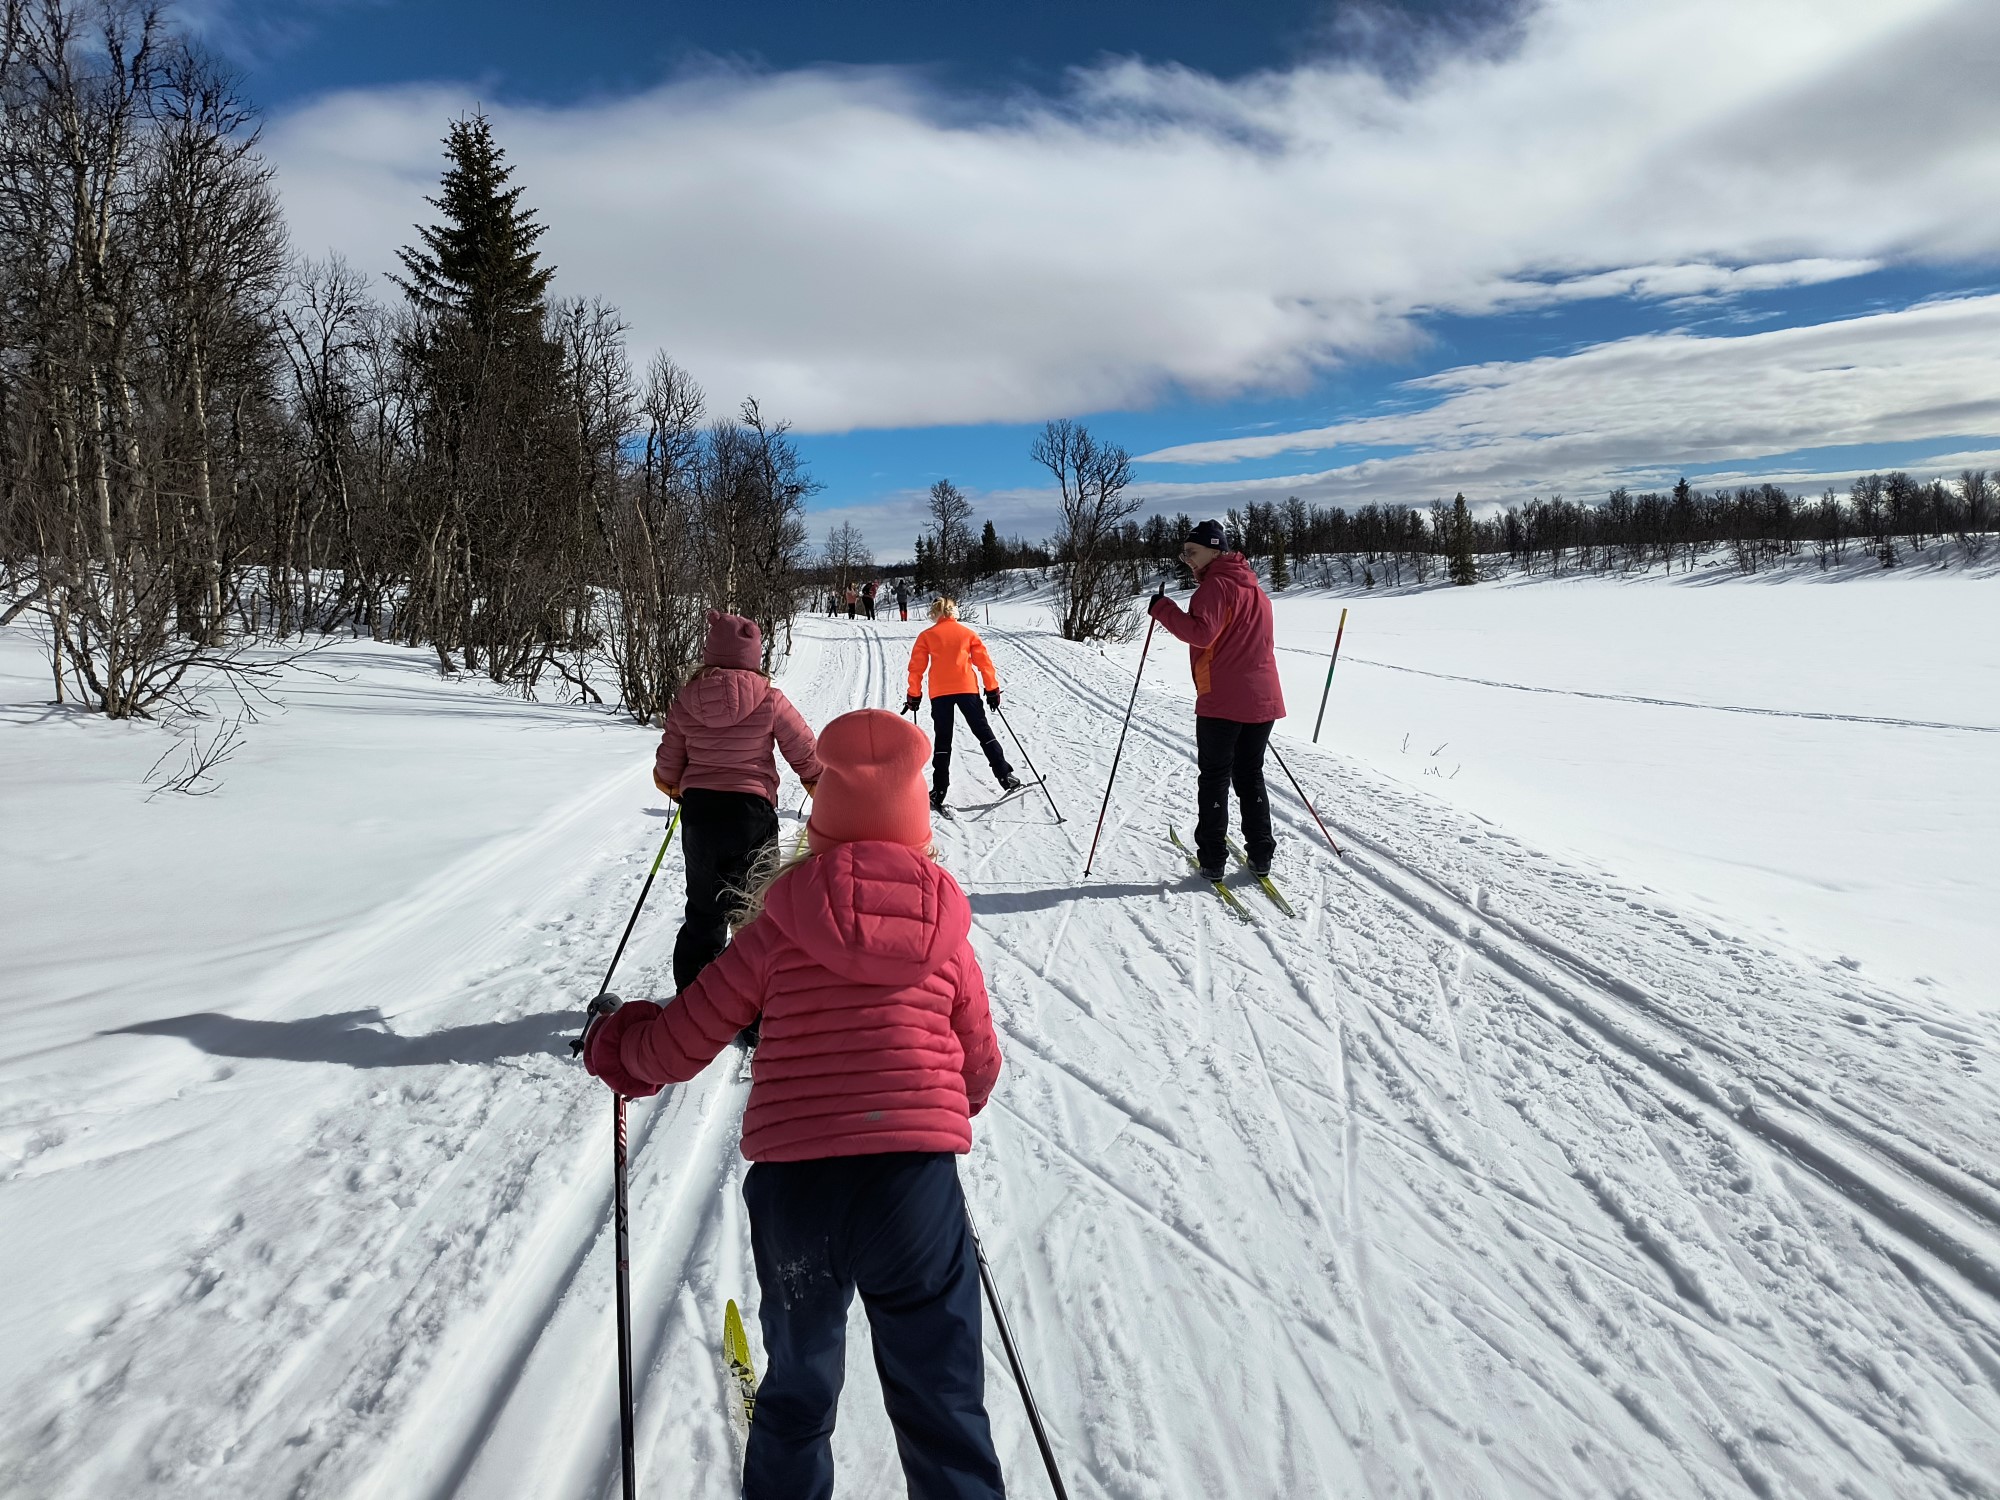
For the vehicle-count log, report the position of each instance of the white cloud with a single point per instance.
(1638, 410)
(857, 252)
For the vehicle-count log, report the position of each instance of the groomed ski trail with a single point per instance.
(1488, 1176)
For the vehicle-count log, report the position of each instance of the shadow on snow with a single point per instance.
(361, 1038)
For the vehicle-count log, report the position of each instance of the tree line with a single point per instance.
(206, 442)
(1888, 518)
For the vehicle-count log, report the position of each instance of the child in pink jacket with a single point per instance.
(715, 760)
(877, 1050)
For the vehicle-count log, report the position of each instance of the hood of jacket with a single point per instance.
(723, 696)
(1229, 571)
(877, 913)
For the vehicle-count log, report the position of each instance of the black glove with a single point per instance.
(599, 1008)
(910, 705)
(993, 698)
(1162, 593)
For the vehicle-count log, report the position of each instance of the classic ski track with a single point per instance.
(1954, 1263)
(1355, 1257)
(1515, 953)
(533, 1335)
(391, 1338)
(569, 1276)
(1717, 708)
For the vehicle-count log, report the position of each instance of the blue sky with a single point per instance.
(1355, 253)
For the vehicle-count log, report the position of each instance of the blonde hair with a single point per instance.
(765, 872)
(943, 608)
(772, 866)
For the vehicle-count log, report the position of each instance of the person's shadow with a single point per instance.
(362, 1039)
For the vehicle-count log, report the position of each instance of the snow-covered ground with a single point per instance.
(1817, 756)
(1554, 1151)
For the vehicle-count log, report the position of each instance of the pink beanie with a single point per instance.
(872, 782)
(733, 642)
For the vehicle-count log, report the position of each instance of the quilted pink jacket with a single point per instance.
(719, 735)
(876, 1034)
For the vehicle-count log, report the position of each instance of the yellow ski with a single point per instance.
(1264, 882)
(736, 1356)
(1229, 898)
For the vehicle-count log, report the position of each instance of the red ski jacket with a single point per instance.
(1227, 626)
(875, 1034)
(719, 735)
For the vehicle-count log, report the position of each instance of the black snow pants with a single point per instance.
(1231, 754)
(722, 834)
(942, 716)
(893, 1228)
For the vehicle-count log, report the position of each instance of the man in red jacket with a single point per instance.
(1227, 626)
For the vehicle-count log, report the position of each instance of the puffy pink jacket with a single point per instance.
(720, 731)
(876, 1035)
(1227, 626)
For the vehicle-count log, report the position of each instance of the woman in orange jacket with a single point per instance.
(958, 661)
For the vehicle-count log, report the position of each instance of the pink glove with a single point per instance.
(602, 1044)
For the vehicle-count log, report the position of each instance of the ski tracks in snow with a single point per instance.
(1489, 1176)
(1646, 1189)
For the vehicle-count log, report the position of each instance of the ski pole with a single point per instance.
(1331, 664)
(644, 891)
(1030, 762)
(1115, 754)
(602, 1004)
(627, 1461)
(1014, 1359)
(1307, 800)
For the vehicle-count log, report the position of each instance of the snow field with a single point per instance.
(1494, 1175)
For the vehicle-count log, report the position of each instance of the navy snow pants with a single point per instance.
(893, 1228)
(943, 713)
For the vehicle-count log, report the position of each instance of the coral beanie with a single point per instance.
(872, 782)
(733, 642)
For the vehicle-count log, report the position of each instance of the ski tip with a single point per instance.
(734, 1342)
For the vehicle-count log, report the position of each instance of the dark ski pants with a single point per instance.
(1231, 754)
(893, 1228)
(722, 834)
(974, 710)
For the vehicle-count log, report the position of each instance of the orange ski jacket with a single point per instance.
(952, 650)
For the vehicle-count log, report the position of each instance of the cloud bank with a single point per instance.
(1502, 430)
(857, 251)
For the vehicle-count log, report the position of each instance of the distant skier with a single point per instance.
(715, 760)
(1227, 626)
(903, 598)
(868, 597)
(878, 1048)
(853, 601)
(958, 661)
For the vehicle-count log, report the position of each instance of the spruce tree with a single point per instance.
(1464, 565)
(1281, 573)
(480, 263)
(989, 551)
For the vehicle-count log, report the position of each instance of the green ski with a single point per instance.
(1264, 882)
(1229, 898)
